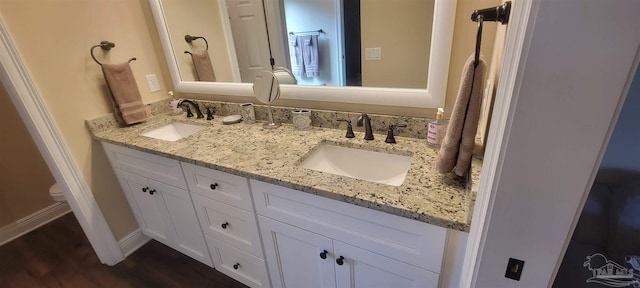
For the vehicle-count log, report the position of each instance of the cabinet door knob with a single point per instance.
(340, 260)
(145, 189)
(323, 254)
(236, 266)
(224, 225)
(152, 191)
(213, 186)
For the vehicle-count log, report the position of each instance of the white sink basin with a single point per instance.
(173, 131)
(390, 169)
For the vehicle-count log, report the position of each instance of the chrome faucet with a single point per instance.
(195, 107)
(366, 121)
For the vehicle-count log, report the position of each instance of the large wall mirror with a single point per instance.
(381, 52)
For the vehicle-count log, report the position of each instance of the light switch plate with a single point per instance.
(152, 81)
(373, 54)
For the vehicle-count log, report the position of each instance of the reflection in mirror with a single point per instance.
(385, 70)
(266, 87)
(359, 48)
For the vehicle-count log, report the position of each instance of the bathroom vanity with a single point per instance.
(235, 197)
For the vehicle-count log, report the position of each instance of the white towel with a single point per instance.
(310, 54)
(295, 50)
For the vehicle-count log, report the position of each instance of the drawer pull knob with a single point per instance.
(236, 266)
(225, 225)
(213, 186)
(323, 254)
(152, 191)
(340, 260)
(145, 189)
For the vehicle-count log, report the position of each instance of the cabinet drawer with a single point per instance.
(250, 270)
(413, 242)
(228, 224)
(155, 167)
(224, 187)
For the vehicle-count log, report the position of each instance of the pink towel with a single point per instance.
(124, 92)
(457, 147)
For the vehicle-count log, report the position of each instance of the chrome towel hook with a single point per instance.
(105, 45)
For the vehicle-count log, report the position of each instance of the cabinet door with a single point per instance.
(294, 256)
(189, 239)
(149, 210)
(365, 269)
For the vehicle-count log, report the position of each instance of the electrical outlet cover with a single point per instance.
(514, 269)
(152, 81)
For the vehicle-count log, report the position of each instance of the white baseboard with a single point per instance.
(33, 221)
(132, 242)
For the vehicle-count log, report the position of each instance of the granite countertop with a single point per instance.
(271, 155)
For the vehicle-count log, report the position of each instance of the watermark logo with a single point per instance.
(610, 273)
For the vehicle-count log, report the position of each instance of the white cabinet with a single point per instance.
(163, 211)
(309, 241)
(297, 258)
(148, 209)
(366, 248)
(225, 210)
(364, 269)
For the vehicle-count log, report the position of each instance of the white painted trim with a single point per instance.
(228, 38)
(34, 221)
(133, 242)
(432, 97)
(516, 46)
(34, 113)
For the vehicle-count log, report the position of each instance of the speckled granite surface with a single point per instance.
(270, 155)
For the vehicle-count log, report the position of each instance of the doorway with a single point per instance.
(604, 250)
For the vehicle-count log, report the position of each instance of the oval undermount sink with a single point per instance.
(173, 131)
(379, 167)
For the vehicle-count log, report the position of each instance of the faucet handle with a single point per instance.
(390, 138)
(210, 111)
(349, 128)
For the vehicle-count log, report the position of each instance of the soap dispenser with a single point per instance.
(436, 129)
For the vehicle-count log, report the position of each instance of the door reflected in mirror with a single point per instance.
(376, 43)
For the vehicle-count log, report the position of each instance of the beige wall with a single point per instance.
(198, 18)
(403, 32)
(24, 176)
(54, 38)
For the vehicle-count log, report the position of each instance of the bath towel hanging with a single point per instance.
(201, 60)
(125, 96)
(297, 64)
(202, 65)
(124, 92)
(457, 146)
(310, 55)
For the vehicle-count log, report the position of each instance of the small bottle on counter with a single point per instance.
(173, 104)
(436, 129)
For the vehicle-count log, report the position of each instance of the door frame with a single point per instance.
(33, 111)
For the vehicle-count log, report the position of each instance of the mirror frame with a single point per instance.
(431, 97)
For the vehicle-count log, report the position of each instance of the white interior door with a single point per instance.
(247, 18)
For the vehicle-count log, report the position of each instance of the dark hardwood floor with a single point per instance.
(59, 255)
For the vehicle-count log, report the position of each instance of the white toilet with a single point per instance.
(56, 193)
